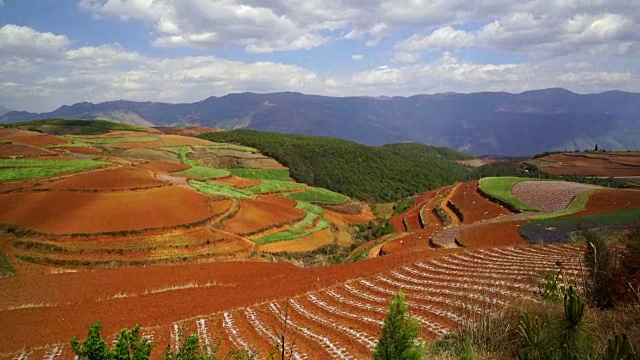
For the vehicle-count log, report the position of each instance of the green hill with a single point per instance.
(385, 173)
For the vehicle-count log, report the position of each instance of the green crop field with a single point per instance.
(232, 147)
(500, 188)
(22, 169)
(310, 208)
(269, 186)
(317, 195)
(297, 231)
(262, 174)
(221, 189)
(182, 152)
(120, 140)
(201, 172)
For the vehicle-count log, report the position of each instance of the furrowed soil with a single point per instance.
(94, 212)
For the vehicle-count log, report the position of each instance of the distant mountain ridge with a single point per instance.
(4, 110)
(477, 123)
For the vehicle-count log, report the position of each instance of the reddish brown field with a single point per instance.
(239, 182)
(473, 206)
(610, 200)
(493, 234)
(30, 138)
(309, 243)
(21, 150)
(256, 216)
(108, 179)
(598, 164)
(94, 212)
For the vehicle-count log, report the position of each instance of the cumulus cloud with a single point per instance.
(111, 72)
(357, 57)
(22, 41)
(406, 57)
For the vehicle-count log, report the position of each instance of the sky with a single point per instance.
(57, 52)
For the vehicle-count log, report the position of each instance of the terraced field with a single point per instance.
(338, 321)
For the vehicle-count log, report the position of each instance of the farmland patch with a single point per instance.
(262, 174)
(23, 169)
(220, 189)
(317, 195)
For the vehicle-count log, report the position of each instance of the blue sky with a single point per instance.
(55, 52)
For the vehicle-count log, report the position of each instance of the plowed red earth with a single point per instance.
(548, 195)
(588, 166)
(21, 150)
(93, 212)
(239, 182)
(277, 200)
(473, 206)
(83, 297)
(30, 138)
(109, 179)
(494, 234)
(259, 215)
(608, 200)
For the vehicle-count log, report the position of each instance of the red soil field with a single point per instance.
(83, 297)
(21, 150)
(108, 179)
(30, 137)
(473, 206)
(255, 216)
(586, 165)
(239, 182)
(277, 200)
(493, 234)
(164, 166)
(90, 212)
(608, 200)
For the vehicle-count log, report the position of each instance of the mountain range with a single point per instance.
(477, 123)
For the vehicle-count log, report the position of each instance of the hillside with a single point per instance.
(380, 174)
(477, 123)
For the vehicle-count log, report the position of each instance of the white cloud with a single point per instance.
(357, 57)
(406, 57)
(446, 37)
(22, 41)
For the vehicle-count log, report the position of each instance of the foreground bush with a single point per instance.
(399, 334)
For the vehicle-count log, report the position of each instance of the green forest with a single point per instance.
(379, 174)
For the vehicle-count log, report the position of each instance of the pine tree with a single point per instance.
(399, 334)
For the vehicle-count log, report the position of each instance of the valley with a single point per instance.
(221, 233)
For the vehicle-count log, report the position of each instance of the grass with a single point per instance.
(202, 172)
(500, 188)
(22, 169)
(121, 140)
(233, 147)
(317, 195)
(6, 269)
(310, 208)
(262, 174)
(270, 186)
(182, 152)
(220, 189)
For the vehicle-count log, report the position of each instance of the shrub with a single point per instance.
(399, 334)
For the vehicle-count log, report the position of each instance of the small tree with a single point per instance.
(399, 334)
(93, 347)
